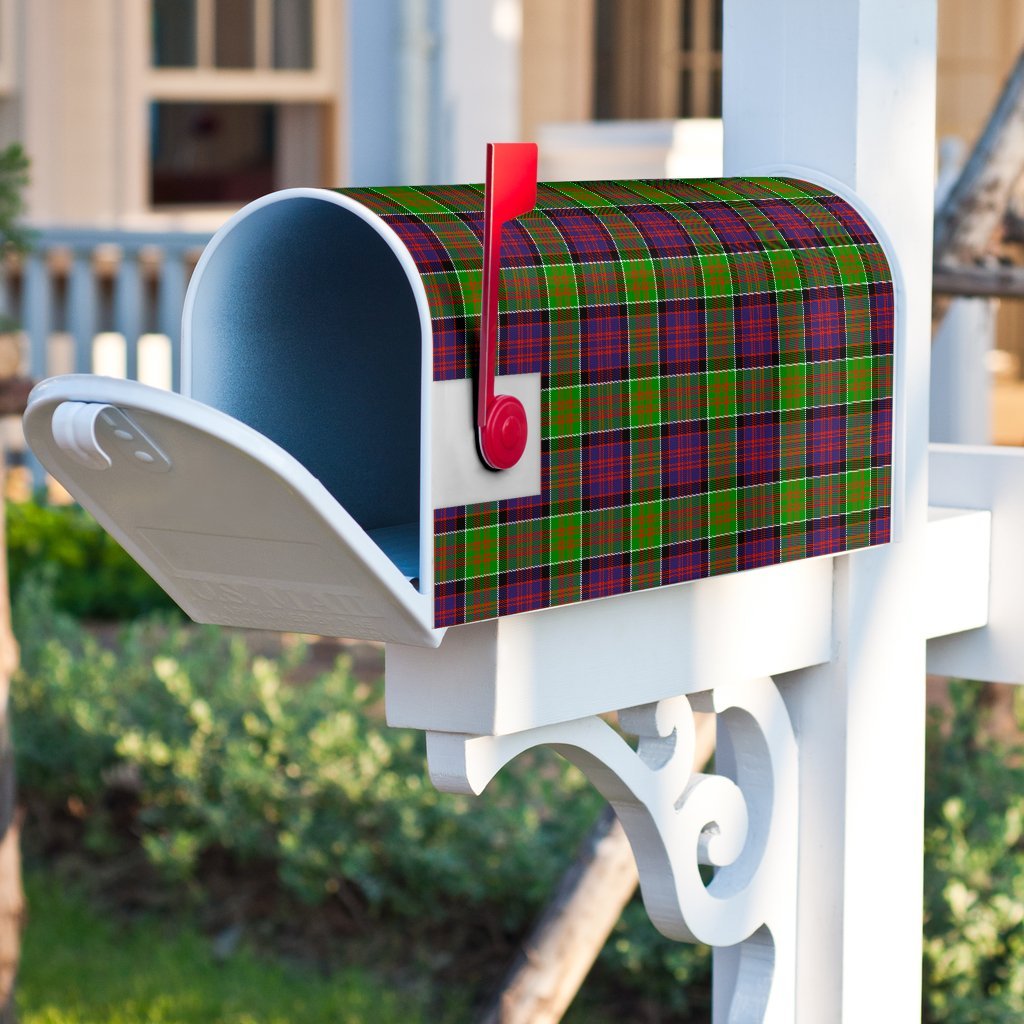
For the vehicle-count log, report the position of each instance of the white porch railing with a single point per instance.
(102, 301)
(99, 301)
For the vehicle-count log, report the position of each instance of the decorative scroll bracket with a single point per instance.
(743, 822)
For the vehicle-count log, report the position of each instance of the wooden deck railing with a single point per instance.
(105, 301)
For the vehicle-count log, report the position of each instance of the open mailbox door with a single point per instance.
(236, 530)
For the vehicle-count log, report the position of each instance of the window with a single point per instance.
(293, 34)
(658, 58)
(242, 98)
(233, 34)
(174, 33)
(700, 58)
(212, 152)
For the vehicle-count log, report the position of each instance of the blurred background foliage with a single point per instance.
(165, 765)
(269, 796)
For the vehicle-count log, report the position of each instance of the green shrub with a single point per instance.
(974, 869)
(228, 756)
(90, 573)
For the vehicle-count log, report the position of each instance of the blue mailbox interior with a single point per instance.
(304, 326)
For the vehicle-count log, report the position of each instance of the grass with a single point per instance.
(79, 968)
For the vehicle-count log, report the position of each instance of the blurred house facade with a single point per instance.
(149, 122)
(163, 113)
(172, 113)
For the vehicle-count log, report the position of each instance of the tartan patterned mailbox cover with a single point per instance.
(716, 361)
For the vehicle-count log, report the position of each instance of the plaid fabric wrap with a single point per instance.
(716, 359)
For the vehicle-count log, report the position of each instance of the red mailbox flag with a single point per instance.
(511, 190)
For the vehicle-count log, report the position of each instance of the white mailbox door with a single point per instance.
(234, 528)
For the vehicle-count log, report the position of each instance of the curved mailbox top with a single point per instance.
(716, 367)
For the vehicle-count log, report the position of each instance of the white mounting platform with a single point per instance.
(984, 478)
(560, 664)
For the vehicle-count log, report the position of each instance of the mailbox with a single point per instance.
(704, 371)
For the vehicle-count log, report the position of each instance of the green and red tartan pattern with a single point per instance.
(716, 361)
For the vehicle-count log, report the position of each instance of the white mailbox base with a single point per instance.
(524, 671)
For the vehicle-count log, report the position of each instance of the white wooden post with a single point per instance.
(849, 89)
